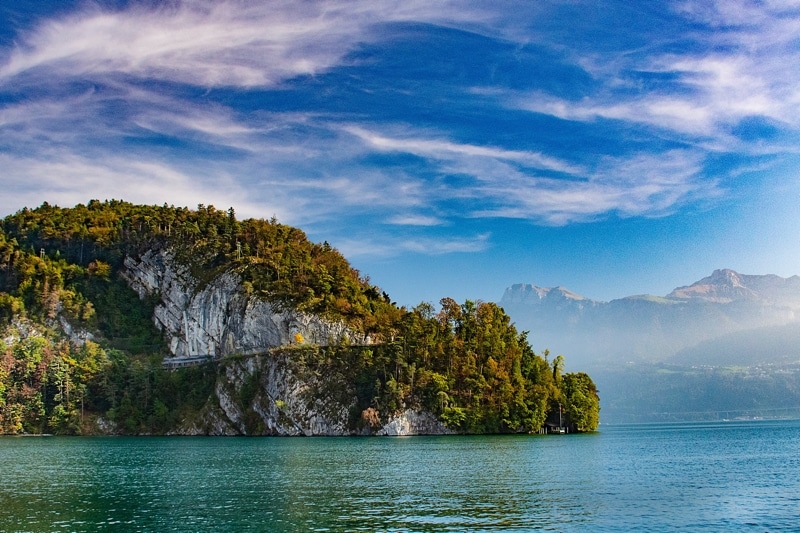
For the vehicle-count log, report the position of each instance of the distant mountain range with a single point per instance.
(727, 346)
(698, 323)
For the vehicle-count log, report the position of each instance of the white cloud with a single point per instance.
(738, 13)
(414, 220)
(441, 149)
(89, 119)
(390, 246)
(714, 105)
(212, 43)
(641, 185)
(65, 179)
(742, 66)
(505, 183)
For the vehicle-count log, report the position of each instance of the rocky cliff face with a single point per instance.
(278, 395)
(412, 422)
(219, 318)
(274, 394)
(264, 386)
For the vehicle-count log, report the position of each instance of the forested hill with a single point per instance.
(81, 353)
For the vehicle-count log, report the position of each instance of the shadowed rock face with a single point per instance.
(651, 328)
(286, 400)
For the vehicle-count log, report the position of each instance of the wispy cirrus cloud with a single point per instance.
(68, 179)
(443, 149)
(739, 70)
(414, 220)
(505, 183)
(210, 43)
(641, 185)
(91, 118)
(390, 246)
(739, 13)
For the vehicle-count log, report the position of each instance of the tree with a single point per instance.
(581, 402)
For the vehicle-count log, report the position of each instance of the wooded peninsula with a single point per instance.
(82, 354)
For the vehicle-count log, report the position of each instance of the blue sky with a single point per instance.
(447, 149)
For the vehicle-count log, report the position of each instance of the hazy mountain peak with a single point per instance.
(565, 293)
(726, 276)
(726, 285)
(527, 293)
(721, 286)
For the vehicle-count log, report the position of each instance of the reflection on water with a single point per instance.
(627, 478)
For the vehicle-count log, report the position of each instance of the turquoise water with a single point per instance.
(694, 477)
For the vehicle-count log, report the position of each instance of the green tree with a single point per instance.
(582, 404)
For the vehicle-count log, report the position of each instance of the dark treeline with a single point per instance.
(464, 362)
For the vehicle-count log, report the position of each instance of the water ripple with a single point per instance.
(742, 477)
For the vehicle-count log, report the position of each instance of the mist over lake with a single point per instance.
(725, 346)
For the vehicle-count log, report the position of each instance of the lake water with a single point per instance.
(741, 476)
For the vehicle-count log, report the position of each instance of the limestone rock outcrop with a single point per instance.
(219, 319)
(411, 422)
